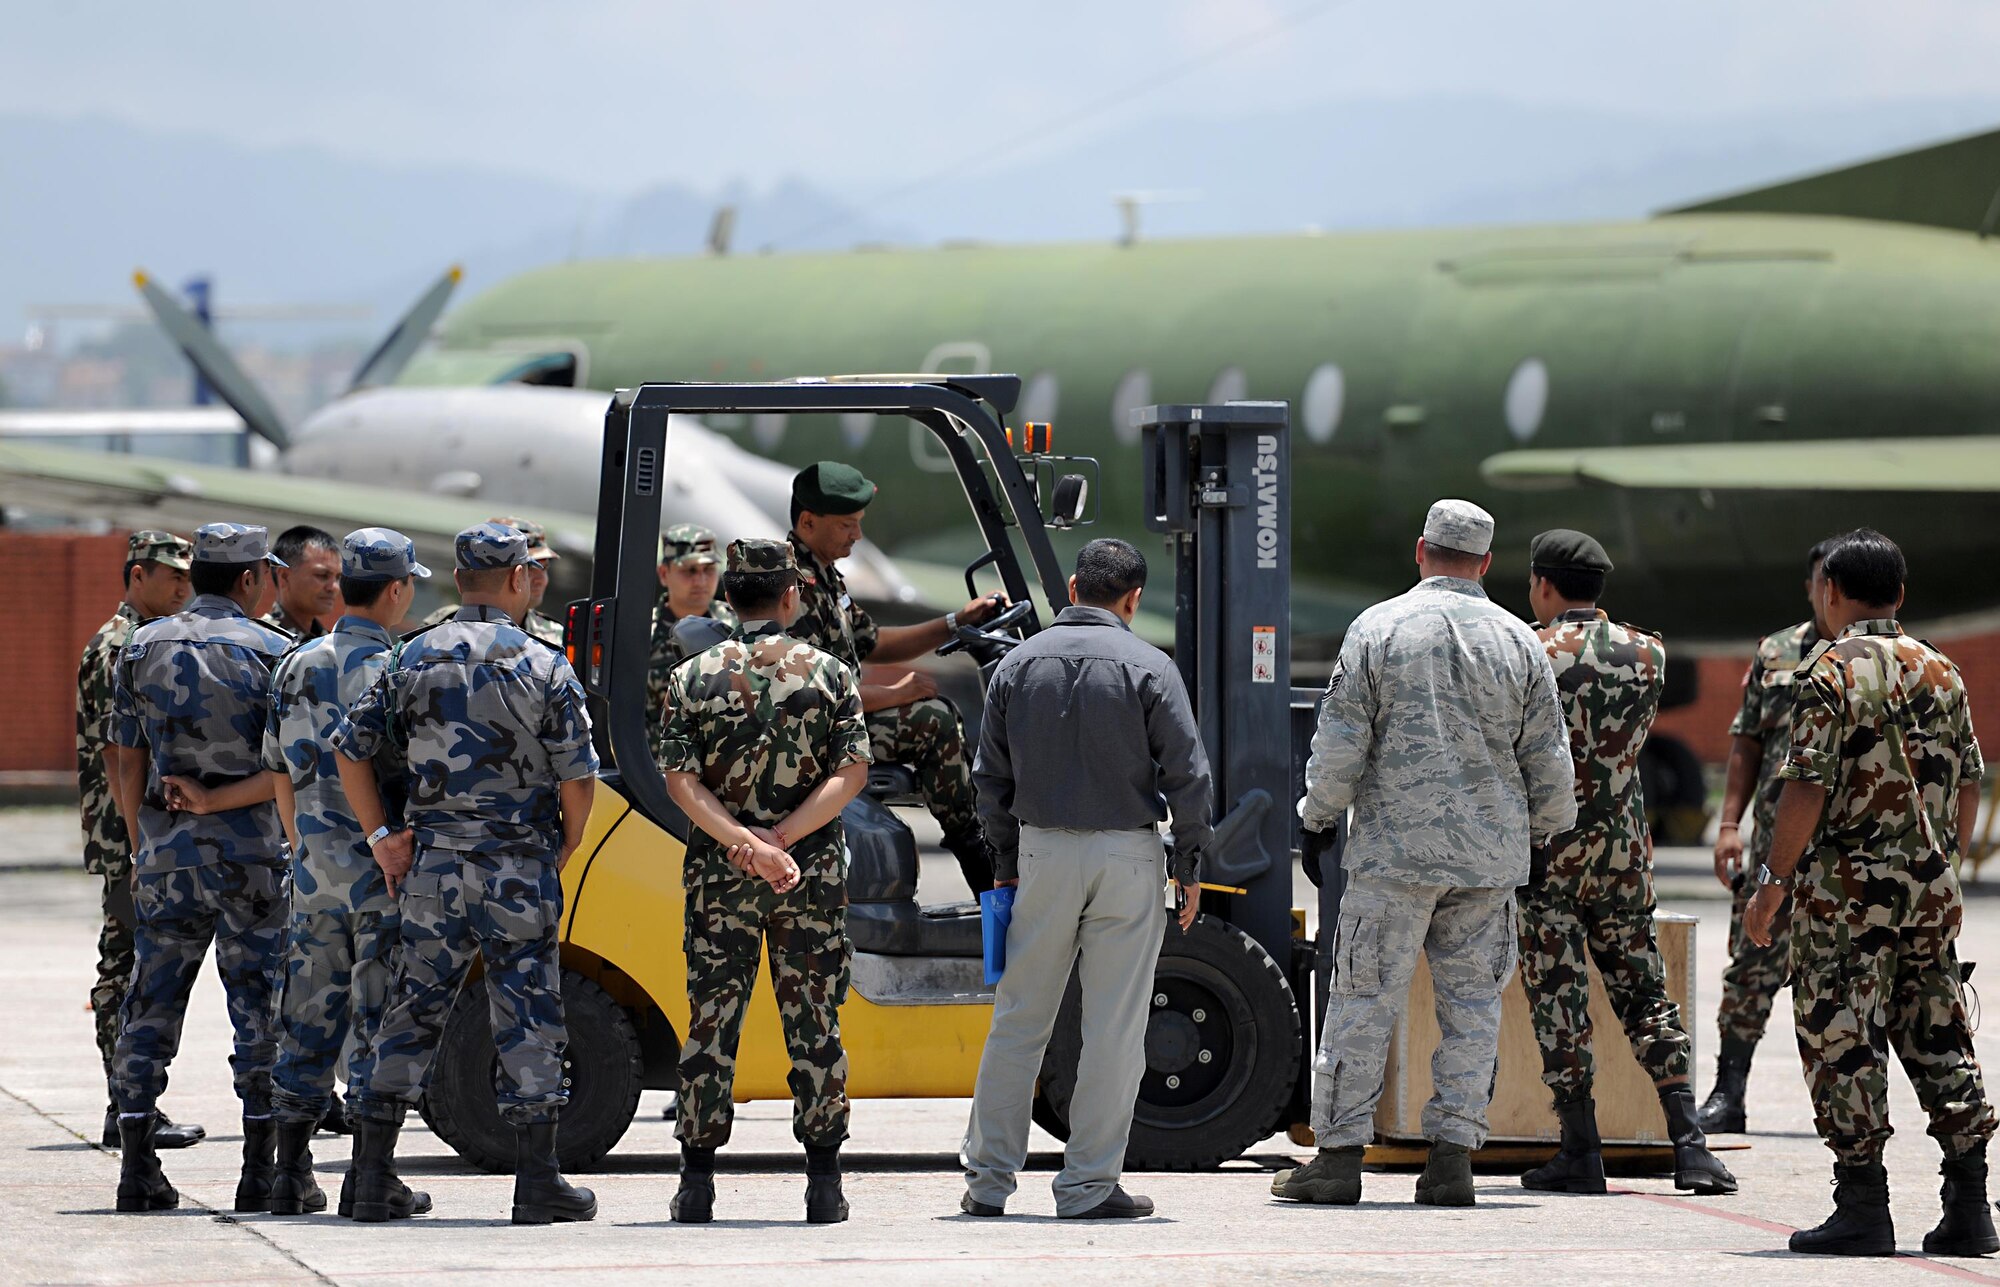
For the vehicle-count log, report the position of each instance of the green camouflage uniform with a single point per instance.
(682, 542)
(1881, 722)
(300, 631)
(926, 735)
(1597, 903)
(106, 852)
(763, 720)
(1750, 984)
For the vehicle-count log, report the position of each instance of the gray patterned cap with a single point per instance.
(379, 554)
(491, 545)
(233, 543)
(1459, 525)
(688, 543)
(164, 548)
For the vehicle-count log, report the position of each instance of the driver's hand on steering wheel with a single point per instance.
(984, 608)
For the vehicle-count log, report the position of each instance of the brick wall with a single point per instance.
(56, 589)
(1704, 725)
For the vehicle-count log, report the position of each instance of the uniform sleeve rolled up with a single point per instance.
(565, 729)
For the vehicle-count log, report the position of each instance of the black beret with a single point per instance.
(1564, 550)
(829, 487)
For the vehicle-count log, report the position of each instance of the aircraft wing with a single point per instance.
(137, 491)
(1965, 464)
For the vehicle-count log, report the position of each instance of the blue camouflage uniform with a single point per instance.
(193, 690)
(491, 720)
(344, 924)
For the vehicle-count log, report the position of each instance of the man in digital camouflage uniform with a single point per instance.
(308, 584)
(192, 698)
(690, 572)
(156, 585)
(492, 726)
(1595, 904)
(763, 745)
(545, 628)
(908, 723)
(1758, 740)
(1440, 726)
(1881, 789)
(344, 923)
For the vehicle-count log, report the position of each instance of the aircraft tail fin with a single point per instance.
(1955, 184)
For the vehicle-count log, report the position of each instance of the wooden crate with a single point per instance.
(1628, 1109)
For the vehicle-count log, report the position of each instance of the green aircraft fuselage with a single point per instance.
(1408, 357)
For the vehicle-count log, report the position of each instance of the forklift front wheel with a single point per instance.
(1223, 1043)
(602, 1068)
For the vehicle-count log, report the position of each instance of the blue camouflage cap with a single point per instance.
(379, 554)
(491, 545)
(233, 543)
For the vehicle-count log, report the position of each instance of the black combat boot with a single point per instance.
(1860, 1223)
(695, 1203)
(1578, 1166)
(975, 858)
(260, 1149)
(1967, 1227)
(335, 1122)
(372, 1193)
(142, 1186)
(1695, 1168)
(296, 1191)
(1332, 1178)
(1447, 1177)
(1722, 1112)
(166, 1132)
(825, 1204)
(541, 1195)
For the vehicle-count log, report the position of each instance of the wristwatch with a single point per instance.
(951, 623)
(1765, 876)
(377, 834)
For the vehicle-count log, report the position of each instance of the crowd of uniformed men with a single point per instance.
(351, 816)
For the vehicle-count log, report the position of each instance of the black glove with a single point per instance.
(1538, 868)
(1313, 848)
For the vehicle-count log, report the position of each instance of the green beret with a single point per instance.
(1564, 550)
(830, 487)
(761, 556)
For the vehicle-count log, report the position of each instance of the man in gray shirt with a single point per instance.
(1101, 727)
(1441, 726)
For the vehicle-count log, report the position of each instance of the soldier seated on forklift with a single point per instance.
(908, 722)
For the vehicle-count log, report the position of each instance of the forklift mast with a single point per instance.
(1218, 484)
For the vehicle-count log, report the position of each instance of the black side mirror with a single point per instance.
(1069, 501)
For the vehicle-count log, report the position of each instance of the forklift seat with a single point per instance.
(893, 784)
(882, 911)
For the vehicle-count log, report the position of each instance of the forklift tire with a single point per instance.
(602, 1068)
(1222, 1052)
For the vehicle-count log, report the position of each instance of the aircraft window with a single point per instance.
(1039, 402)
(767, 430)
(1527, 398)
(1326, 391)
(855, 426)
(1229, 385)
(1133, 392)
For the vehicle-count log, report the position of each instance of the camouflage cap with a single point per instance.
(379, 554)
(491, 545)
(1459, 525)
(761, 556)
(688, 543)
(155, 546)
(233, 543)
(829, 487)
(538, 537)
(1561, 549)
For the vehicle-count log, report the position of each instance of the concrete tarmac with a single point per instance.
(56, 1186)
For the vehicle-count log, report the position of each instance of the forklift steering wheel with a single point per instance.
(988, 634)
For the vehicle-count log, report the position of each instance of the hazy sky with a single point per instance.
(617, 94)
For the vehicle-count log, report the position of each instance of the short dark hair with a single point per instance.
(293, 542)
(1867, 566)
(219, 578)
(482, 580)
(1817, 554)
(756, 594)
(1578, 585)
(129, 565)
(1108, 569)
(364, 594)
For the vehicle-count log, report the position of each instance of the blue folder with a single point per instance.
(996, 913)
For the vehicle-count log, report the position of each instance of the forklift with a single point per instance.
(1226, 1041)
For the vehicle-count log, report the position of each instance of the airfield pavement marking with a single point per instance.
(1772, 1226)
